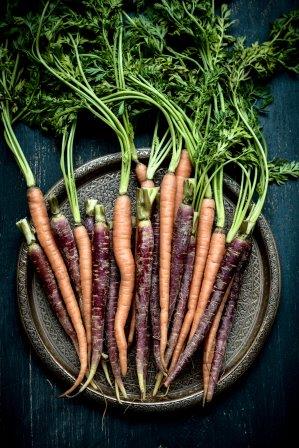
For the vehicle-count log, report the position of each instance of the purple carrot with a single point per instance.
(180, 242)
(100, 288)
(47, 279)
(181, 303)
(225, 274)
(111, 311)
(89, 216)
(66, 242)
(144, 259)
(226, 324)
(183, 294)
(154, 297)
(132, 326)
(147, 350)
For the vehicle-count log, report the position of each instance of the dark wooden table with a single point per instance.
(256, 411)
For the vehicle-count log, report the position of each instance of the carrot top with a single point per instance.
(90, 207)
(24, 226)
(145, 200)
(67, 168)
(188, 193)
(11, 87)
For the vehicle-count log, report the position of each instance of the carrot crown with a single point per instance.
(90, 207)
(145, 199)
(99, 213)
(54, 206)
(24, 226)
(189, 190)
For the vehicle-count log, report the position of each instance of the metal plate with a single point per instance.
(255, 314)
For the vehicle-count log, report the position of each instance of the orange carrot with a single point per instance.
(122, 231)
(182, 172)
(167, 204)
(85, 263)
(41, 223)
(141, 172)
(210, 342)
(147, 184)
(216, 253)
(204, 231)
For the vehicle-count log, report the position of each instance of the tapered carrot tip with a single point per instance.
(106, 372)
(148, 183)
(184, 167)
(158, 382)
(117, 392)
(141, 385)
(74, 386)
(141, 172)
(91, 374)
(121, 387)
(123, 364)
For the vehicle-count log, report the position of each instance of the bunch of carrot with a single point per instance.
(170, 280)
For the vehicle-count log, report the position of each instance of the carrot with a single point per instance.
(226, 272)
(167, 203)
(141, 172)
(154, 299)
(65, 240)
(180, 241)
(80, 233)
(132, 326)
(205, 223)
(85, 263)
(209, 344)
(145, 245)
(181, 304)
(122, 230)
(100, 288)
(111, 311)
(144, 261)
(183, 293)
(46, 239)
(226, 324)
(41, 223)
(47, 279)
(182, 172)
(216, 253)
(148, 183)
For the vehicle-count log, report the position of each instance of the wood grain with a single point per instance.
(257, 411)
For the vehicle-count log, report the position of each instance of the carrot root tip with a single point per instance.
(141, 385)
(106, 372)
(158, 382)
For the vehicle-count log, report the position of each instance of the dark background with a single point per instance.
(257, 411)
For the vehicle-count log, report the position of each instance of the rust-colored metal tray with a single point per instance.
(255, 314)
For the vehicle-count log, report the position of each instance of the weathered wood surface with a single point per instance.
(256, 411)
